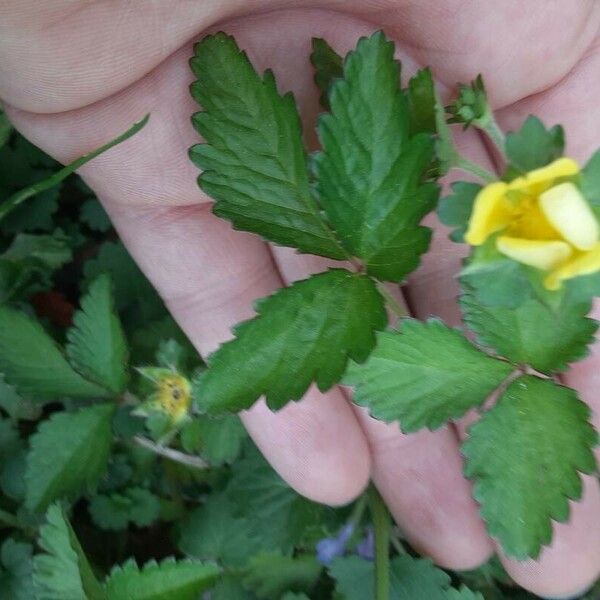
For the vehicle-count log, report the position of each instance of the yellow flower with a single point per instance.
(173, 396)
(543, 221)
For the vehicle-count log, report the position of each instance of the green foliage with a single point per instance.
(303, 333)
(547, 338)
(68, 454)
(455, 210)
(16, 572)
(424, 375)
(133, 505)
(370, 171)
(421, 102)
(525, 456)
(253, 161)
(94, 216)
(328, 66)
(471, 107)
(33, 362)
(167, 580)
(62, 571)
(590, 181)
(533, 146)
(97, 347)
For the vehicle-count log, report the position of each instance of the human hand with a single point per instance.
(123, 60)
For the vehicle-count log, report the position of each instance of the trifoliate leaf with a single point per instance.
(94, 216)
(212, 532)
(421, 102)
(33, 362)
(303, 333)
(167, 580)
(370, 172)
(116, 511)
(424, 375)
(63, 572)
(16, 574)
(544, 337)
(410, 579)
(455, 210)
(97, 347)
(217, 440)
(254, 162)
(328, 66)
(68, 454)
(269, 575)
(533, 146)
(525, 456)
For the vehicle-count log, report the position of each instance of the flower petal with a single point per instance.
(540, 254)
(583, 264)
(539, 180)
(570, 214)
(491, 213)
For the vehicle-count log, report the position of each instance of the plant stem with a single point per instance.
(19, 197)
(358, 510)
(391, 302)
(170, 453)
(496, 135)
(470, 167)
(382, 526)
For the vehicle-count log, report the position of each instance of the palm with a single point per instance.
(117, 67)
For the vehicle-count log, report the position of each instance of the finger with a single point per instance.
(207, 274)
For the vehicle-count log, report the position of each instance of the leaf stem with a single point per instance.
(185, 459)
(496, 135)
(382, 526)
(470, 167)
(391, 302)
(19, 197)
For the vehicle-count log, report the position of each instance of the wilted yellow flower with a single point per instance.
(543, 221)
(173, 396)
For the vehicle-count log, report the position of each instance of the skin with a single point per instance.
(75, 73)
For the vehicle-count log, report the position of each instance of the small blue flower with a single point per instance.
(330, 548)
(366, 547)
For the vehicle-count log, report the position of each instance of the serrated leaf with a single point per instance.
(370, 172)
(254, 162)
(328, 66)
(534, 146)
(455, 209)
(525, 456)
(16, 575)
(425, 375)
(302, 334)
(69, 453)
(97, 347)
(269, 575)
(421, 102)
(32, 361)
(544, 337)
(116, 511)
(62, 572)
(410, 579)
(167, 580)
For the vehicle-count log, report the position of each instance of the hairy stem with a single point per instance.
(391, 302)
(465, 164)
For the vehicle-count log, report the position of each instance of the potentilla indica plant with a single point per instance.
(527, 284)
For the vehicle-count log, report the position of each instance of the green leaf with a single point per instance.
(303, 333)
(425, 375)
(370, 172)
(16, 575)
(590, 182)
(410, 579)
(12, 461)
(455, 210)
(254, 162)
(328, 66)
(94, 216)
(525, 456)
(421, 102)
(116, 511)
(167, 580)
(218, 440)
(544, 337)
(33, 362)
(533, 146)
(69, 453)
(62, 572)
(464, 593)
(230, 588)
(97, 347)
(269, 575)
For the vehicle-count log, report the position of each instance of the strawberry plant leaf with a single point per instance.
(132, 505)
(69, 453)
(526, 456)
(328, 66)
(424, 375)
(370, 172)
(169, 579)
(97, 347)
(421, 102)
(303, 333)
(16, 571)
(32, 361)
(253, 159)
